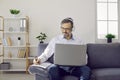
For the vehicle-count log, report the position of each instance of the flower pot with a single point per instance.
(109, 40)
(41, 42)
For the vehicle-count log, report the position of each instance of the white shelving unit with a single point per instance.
(14, 58)
(12, 52)
(14, 70)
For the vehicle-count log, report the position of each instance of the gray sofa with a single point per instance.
(103, 59)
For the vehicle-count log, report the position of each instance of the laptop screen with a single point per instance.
(70, 54)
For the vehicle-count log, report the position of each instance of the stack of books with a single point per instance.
(21, 53)
(7, 41)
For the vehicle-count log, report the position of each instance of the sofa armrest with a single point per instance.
(41, 48)
(41, 70)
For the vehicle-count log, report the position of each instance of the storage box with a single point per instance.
(5, 66)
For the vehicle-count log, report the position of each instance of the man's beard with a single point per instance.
(66, 35)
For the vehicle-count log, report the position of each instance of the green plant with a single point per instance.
(14, 11)
(110, 36)
(41, 37)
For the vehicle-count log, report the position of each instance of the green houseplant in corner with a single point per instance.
(41, 37)
(109, 37)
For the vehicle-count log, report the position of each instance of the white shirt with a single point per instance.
(50, 49)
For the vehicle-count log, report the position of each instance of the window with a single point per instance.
(107, 18)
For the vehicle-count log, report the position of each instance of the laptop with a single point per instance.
(70, 55)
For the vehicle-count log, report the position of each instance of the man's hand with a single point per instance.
(36, 61)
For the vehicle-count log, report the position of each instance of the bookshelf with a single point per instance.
(14, 43)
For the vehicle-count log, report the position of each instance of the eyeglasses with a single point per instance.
(65, 28)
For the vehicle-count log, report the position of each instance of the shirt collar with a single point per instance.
(72, 38)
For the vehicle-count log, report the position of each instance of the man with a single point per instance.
(56, 71)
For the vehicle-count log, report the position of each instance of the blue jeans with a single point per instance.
(56, 72)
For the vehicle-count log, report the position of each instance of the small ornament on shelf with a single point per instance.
(10, 29)
(19, 41)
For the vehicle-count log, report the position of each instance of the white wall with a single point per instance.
(46, 15)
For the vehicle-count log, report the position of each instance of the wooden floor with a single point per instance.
(15, 76)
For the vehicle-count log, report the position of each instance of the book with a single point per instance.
(4, 42)
(9, 41)
(44, 65)
(21, 53)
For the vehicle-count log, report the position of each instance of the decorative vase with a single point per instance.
(15, 15)
(109, 40)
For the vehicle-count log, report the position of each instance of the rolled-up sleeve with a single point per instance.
(48, 52)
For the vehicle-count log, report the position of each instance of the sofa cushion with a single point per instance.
(106, 74)
(104, 55)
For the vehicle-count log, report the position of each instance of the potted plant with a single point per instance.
(41, 37)
(109, 37)
(14, 11)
